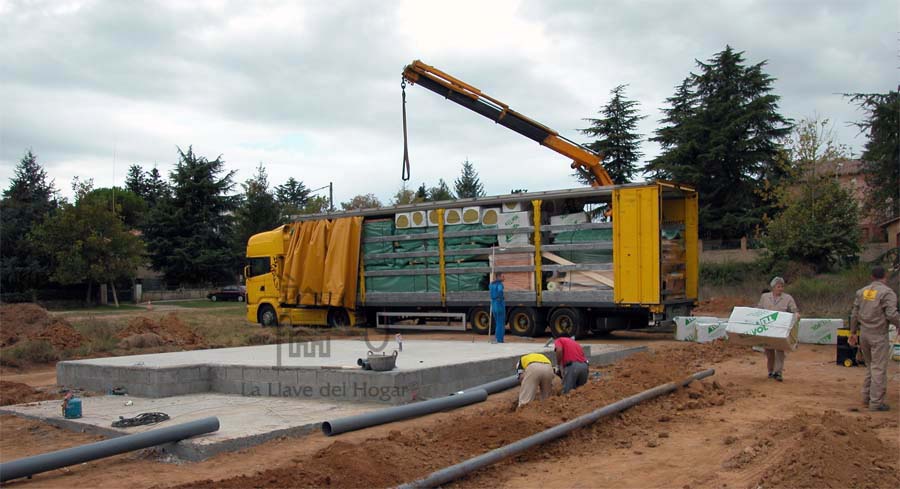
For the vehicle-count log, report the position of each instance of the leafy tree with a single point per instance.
(440, 192)
(421, 194)
(127, 205)
(468, 186)
(88, 243)
(818, 225)
(880, 158)
(293, 196)
(259, 211)
(317, 204)
(367, 201)
(616, 137)
(721, 135)
(406, 196)
(28, 201)
(190, 234)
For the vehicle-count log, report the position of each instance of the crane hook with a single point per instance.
(404, 171)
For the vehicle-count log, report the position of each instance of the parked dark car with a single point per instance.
(229, 293)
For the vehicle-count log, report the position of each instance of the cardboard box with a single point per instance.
(686, 326)
(710, 330)
(819, 331)
(760, 327)
(514, 220)
(515, 280)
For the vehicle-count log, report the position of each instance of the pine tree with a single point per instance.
(722, 136)
(259, 211)
(880, 158)
(293, 196)
(190, 234)
(136, 181)
(468, 186)
(157, 188)
(617, 139)
(421, 194)
(28, 202)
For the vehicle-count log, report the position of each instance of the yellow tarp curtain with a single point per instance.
(322, 263)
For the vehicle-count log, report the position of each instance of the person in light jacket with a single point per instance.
(776, 300)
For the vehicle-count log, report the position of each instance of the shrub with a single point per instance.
(731, 273)
(101, 336)
(33, 351)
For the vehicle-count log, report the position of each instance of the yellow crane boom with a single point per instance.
(472, 98)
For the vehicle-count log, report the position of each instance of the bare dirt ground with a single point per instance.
(736, 429)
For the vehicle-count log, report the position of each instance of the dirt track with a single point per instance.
(737, 429)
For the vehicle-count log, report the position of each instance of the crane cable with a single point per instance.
(404, 171)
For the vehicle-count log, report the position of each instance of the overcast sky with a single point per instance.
(312, 88)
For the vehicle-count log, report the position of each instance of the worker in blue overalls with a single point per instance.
(498, 307)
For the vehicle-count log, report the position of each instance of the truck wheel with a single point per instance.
(214, 298)
(525, 321)
(240, 298)
(480, 319)
(338, 318)
(566, 321)
(267, 316)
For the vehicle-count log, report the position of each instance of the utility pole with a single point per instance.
(331, 196)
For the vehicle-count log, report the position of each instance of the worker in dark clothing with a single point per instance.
(498, 307)
(874, 307)
(573, 366)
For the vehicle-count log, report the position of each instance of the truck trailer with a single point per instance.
(579, 261)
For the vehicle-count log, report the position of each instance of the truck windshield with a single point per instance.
(259, 266)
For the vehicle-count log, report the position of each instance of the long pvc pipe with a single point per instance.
(496, 386)
(454, 472)
(28, 466)
(396, 413)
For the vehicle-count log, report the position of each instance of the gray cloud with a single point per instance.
(311, 89)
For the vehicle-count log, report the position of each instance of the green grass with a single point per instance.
(100, 336)
(102, 310)
(32, 351)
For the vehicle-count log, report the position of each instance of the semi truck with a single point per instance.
(567, 265)
(575, 260)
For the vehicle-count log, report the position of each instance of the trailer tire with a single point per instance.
(266, 316)
(566, 321)
(338, 318)
(525, 321)
(480, 319)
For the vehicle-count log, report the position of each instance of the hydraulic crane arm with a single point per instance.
(470, 97)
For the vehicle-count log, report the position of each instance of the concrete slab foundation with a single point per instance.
(312, 370)
(244, 421)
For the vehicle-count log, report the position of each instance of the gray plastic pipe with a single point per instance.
(396, 413)
(26, 467)
(454, 472)
(496, 386)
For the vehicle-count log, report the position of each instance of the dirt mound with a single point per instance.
(170, 330)
(143, 340)
(818, 451)
(404, 456)
(32, 322)
(721, 306)
(18, 393)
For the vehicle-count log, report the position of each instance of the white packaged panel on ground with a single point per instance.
(686, 326)
(710, 330)
(819, 331)
(763, 328)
